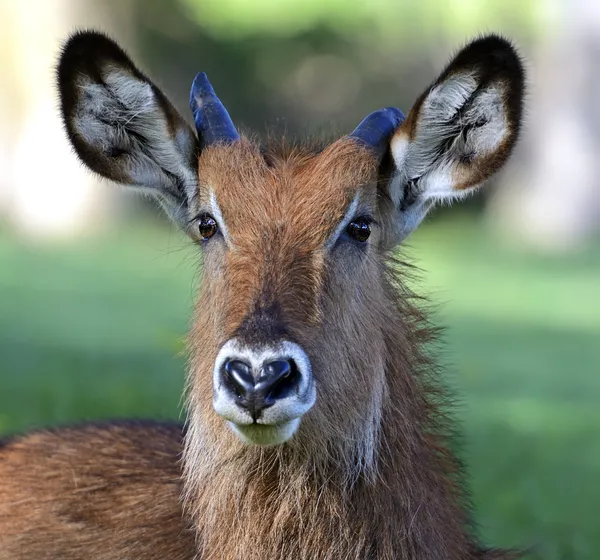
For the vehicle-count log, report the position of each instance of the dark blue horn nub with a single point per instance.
(375, 129)
(213, 123)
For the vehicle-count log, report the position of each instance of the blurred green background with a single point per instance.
(96, 289)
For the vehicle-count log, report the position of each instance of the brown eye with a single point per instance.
(359, 229)
(207, 226)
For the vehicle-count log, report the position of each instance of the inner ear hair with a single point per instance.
(121, 124)
(459, 132)
(464, 126)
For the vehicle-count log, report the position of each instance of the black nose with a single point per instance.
(276, 380)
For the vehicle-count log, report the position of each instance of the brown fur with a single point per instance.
(369, 474)
(105, 492)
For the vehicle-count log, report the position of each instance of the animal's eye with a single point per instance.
(359, 229)
(207, 226)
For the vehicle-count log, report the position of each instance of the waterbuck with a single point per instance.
(317, 428)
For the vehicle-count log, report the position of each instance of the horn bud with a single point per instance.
(375, 129)
(213, 123)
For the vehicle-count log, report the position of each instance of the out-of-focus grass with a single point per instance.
(523, 344)
(89, 331)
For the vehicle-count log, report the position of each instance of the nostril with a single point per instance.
(278, 369)
(280, 379)
(240, 377)
(269, 385)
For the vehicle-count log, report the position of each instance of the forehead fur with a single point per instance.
(305, 188)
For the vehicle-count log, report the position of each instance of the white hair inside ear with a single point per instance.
(456, 125)
(460, 131)
(123, 115)
(122, 126)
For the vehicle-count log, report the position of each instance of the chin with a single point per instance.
(265, 434)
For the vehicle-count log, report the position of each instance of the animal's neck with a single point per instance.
(295, 501)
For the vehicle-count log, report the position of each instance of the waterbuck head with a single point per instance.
(298, 316)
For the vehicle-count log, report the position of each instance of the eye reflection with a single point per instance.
(359, 229)
(207, 226)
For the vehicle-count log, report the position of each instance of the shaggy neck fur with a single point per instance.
(335, 498)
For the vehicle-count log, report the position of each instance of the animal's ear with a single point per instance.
(460, 131)
(122, 126)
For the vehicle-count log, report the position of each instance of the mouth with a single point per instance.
(265, 434)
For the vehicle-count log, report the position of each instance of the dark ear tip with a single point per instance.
(86, 36)
(492, 55)
(494, 58)
(86, 42)
(493, 41)
(83, 50)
